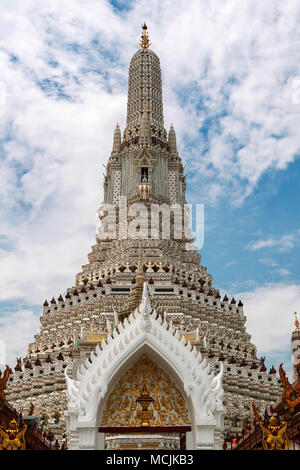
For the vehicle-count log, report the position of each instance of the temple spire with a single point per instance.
(139, 269)
(172, 140)
(144, 87)
(295, 345)
(117, 139)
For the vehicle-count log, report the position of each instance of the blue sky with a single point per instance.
(231, 84)
(270, 213)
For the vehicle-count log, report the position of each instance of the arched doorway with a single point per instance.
(145, 410)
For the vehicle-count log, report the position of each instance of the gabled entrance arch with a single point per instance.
(145, 333)
(164, 412)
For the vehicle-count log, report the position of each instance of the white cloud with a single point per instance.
(268, 262)
(283, 272)
(16, 332)
(231, 263)
(284, 243)
(279, 269)
(53, 154)
(269, 310)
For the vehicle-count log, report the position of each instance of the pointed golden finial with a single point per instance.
(145, 42)
(296, 320)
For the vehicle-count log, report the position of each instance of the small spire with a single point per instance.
(60, 357)
(139, 269)
(117, 139)
(145, 42)
(296, 320)
(145, 305)
(172, 140)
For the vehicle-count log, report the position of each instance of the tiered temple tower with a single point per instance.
(144, 168)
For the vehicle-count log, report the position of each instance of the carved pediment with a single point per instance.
(144, 158)
(167, 407)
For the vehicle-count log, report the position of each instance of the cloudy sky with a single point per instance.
(231, 86)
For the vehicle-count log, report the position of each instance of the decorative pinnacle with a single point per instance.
(117, 138)
(139, 270)
(145, 42)
(296, 320)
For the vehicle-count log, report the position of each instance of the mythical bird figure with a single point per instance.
(274, 436)
(13, 438)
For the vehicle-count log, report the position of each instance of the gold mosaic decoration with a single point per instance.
(189, 337)
(95, 337)
(123, 406)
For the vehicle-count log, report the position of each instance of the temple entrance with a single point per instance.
(145, 410)
(149, 382)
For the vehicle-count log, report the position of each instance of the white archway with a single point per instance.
(145, 331)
